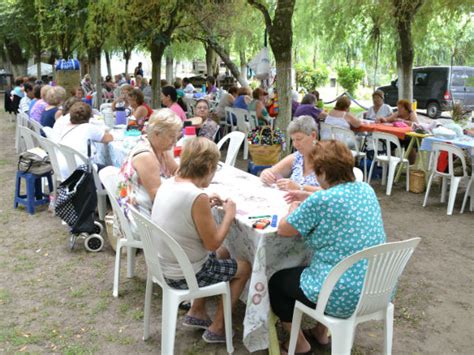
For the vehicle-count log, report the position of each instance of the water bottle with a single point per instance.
(120, 116)
(203, 89)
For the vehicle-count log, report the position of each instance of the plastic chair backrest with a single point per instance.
(105, 106)
(359, 175)
(27, 135)
(385, 264)
(190, 103)
(23, 119)
(346, 136)
(325, 132)
(387, 138)
(49, 133)
(109, 178)
(35, 126)
(242, 124)
(70, 155)
(252, 116)
(452, 152)
(150, 233)
(236, 140)
(229, 116)
(52, 149)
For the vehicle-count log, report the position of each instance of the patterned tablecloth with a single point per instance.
(267, 252)
(465, 142)
(115, 152)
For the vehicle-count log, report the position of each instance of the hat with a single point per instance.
(379, 93)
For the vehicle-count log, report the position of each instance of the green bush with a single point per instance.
(310, 78)
(350, 78)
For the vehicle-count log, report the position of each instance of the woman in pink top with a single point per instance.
(169, 96)
(40, 105)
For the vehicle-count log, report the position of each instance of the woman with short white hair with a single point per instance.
(140, 174)
(296, 171)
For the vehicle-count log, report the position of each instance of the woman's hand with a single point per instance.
(215, 200)
(296, 195)
(287, 185)
(230, 208)
(380, 120)
(268, 177)
(294, 206)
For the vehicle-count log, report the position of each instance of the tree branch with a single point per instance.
(263, 9)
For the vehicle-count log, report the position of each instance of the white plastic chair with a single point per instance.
(470, 194)
(348, 137)
(359, 175)
(21, 120)
(453, 152)
(109, 178)
(325, 132)
(253, 121)
(229, 120)
(236, 138)
(190, 104)
(35, 126)
(388, 160)
(150, 233)
(26, 137)
(243, 126)
(73, 160)
(385, 264)
(105, 106)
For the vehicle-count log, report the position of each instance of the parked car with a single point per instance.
(436, 88)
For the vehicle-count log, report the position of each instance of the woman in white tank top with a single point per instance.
(183, 209)
(341, 117)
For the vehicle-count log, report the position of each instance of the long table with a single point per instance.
(264, 249)
(400, 132)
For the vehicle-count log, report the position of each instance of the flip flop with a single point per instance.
(213, 338)
(311, 338)
(193, 322)
(309, 352)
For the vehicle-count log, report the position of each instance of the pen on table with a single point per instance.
(257, 217)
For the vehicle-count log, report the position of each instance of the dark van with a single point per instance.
(435, 89)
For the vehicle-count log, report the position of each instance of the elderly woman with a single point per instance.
(379, 109)
(78, 131)
(258, 105)
(87, 85)
(141, 112)
(296, 171)
(334, 223)
(208, 127)
(243, 98)
(169, 98)
(121, 102)
(404, 114)
(195, 229)
(140, 174)
(340, 116)
(308, 107)
(40, 105)
(54, 97)
(227, 100)
(64, 120)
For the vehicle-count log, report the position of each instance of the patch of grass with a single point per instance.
(17, 337)
(124, 308)
(78, 349)
(101, 306)
(137, 314)
(120, 339)
(79, 292)
(5, 296)
(4, 162)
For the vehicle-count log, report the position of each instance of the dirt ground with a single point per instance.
(56, 301)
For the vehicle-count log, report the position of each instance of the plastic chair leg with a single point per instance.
(147, 307)
(365, 168)
(228, 320)
(342, 336)
(428, 187)
(246, 149)
(295, 328)
(392, 167)
(101, 206)
(117, 268)
(17, 190)
(370, 171)
(168, 322)
(452, 193)
(444, 189)
(467, 194)
(408, 176)
(131, 252)
(388, 330)
(31, 194)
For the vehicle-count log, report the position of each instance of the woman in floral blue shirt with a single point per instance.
(335, 223)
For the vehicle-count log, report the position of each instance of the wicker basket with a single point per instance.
(265, 154)
(417, 181)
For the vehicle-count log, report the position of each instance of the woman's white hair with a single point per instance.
(302, 124)
(164, 120)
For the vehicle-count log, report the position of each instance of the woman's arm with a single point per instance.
(353, 121)
(107, 138)
(170, 163)
(212, 235)
(284, 228)
(140, 112)
(279, 170)
(147, 167)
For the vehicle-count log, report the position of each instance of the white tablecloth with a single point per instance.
(267, 252)
(115, 152)
(465, 142)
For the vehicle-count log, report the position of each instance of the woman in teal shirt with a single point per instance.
(335, 223)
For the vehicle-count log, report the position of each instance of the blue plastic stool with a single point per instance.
(256, 169)
(34, 191)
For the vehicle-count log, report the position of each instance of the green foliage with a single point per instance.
(350, 78)
(310, 78)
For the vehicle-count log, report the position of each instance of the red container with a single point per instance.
(189, 131)
(177, 151)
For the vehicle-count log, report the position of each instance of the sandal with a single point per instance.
(193, 322)
(213, 338)
(312, 339)
(282, 347)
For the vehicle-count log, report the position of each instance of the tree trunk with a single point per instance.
(243, 65)
(283, 83)
(98, 79)
(169, 67)
(109, 65)
(19, 64)
(38, 65)
(92, 63)
(377, 52)
(126, 55)
(157, 51)
(405, 56)
(227, 61)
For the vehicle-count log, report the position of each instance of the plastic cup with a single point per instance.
(120, 117)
